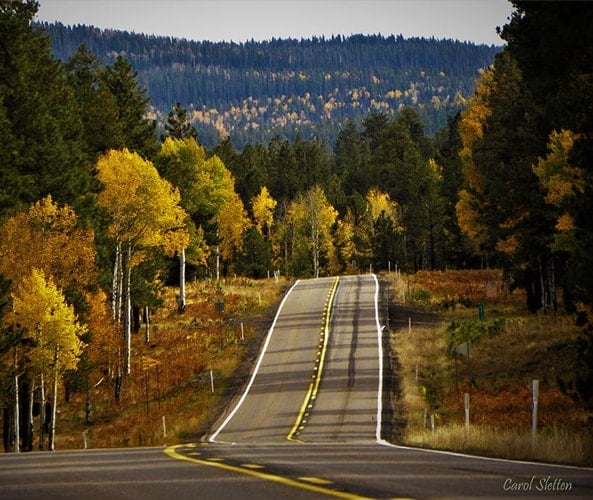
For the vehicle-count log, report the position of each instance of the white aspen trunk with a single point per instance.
(315, 244)
(54, 404)
(182, 281)
(30, 421)
(217, 263)
(116, 289)
(17, 430)
(42, 414)
(147, 323)
(127, 311)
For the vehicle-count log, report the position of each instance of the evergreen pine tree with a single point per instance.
(42, 136)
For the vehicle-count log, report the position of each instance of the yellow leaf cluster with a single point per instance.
(48, 238)
(41, 309)
(471, 126)
(144, 208)
(467, 218)
(379, 202)
(232, 224)
(559, 179)
(263, 206)
(508, 245)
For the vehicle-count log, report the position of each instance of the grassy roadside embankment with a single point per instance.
(168, 397)
(509, 348)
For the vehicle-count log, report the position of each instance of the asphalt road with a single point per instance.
(306, 427)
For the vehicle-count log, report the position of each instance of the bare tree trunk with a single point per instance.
(118, 377)
(52, 427)
(217, 263)
(181, 282)
(30, 421)
(542, 283)
(42, 422)
(127, 310)
(116, 285)
(17, 430)
(147, 323)
(315, 247)
(552, 276)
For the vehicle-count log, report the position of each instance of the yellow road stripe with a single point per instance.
(315, 480)
(318, 369)
(172, 452)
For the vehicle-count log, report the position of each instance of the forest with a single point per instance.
(253, 91)
(99, 209)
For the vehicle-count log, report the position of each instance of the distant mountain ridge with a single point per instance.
(254, 90)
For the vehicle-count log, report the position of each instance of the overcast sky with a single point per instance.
(241, 20)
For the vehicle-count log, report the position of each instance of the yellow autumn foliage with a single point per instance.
(144, 208)
(49, 322)
(48, 237)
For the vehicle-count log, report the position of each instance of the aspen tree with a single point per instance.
(53, 330)
(144, 213)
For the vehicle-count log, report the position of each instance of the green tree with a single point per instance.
(138, 133)
(205, 185)
(351, 161)
(552, 44)
(283, 169)
(96, 105)
(178, 124)
(503, 199)
(42, 136)
(255, 257)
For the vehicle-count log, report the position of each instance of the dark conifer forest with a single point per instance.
(128, 159)
(252, 91)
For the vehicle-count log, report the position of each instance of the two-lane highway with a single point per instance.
(285, 370)
(346, 407)
(306, 426)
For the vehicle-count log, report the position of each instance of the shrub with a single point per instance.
(464, 331)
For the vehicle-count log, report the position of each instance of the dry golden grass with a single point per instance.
(498, 376)
(555, 445)
(171, 373)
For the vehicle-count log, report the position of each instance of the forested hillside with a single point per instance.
(252, 91)
(99, 210)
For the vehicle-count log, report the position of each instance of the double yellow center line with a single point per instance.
(311, 394)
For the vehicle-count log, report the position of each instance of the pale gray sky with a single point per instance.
(241, 20)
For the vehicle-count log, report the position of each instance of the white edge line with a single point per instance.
(383, 442)
(380, 354)
(212, 438)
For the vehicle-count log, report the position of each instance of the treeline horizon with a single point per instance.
(253, 91)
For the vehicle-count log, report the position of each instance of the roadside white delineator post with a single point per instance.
(432, 422)
(164, 428)
(84, 440)
(466, 413)
(410, 326)
(242, 333)
(211, 381)
(534, 397)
